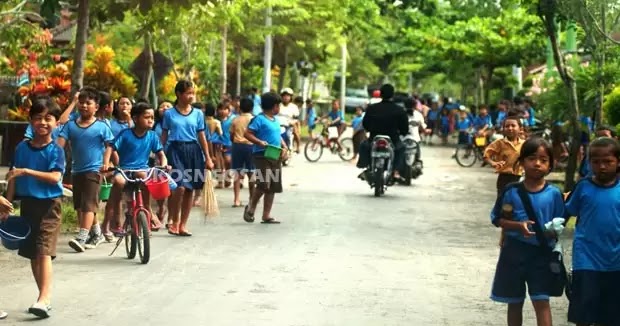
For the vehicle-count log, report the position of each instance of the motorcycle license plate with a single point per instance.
(381, 154)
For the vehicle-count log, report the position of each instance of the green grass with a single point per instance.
(68, 219)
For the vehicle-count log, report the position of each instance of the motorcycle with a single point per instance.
(413, 167)
(379, 175)
(287, 136)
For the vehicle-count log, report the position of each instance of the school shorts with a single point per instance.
(227, 150)
(86, 191)
(268, 174)
(595, 298)
(519, 264)
(242, 157)
(43, 216)
(358, 138)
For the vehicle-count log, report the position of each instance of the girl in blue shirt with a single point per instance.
(121, 116)
(311, 117)
(445, 125)
(226, 118)
(522, 260)
(187, 152)
(596, 243)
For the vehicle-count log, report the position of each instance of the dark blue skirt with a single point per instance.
(188, 164)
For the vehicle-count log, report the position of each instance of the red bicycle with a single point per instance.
(137, 226)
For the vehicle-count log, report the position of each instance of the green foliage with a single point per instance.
(611, 107)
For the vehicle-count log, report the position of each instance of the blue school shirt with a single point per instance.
(183, 128)
(311, 117)
(432, 115)
(501, 115)
(547, 203)
(225, 138)
(481, 122)
(133, 151)
(87, 144)
(257, 108)
(30, 133)
(464, 124)
(335, 115)
(48, 158)
(265, 129)
(445, 120)
(356, 123)
(530, 121)
(596, 242)
(118, 126)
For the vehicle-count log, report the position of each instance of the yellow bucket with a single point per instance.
(481, 141)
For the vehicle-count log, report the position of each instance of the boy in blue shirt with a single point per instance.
(483, 123)
(35, 178)
(134, 147)
(263, 130)
(464, 124)
(596, 245)
(359, 134)
(89, 139)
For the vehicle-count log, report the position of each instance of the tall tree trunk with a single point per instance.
(145, 80)
(571, 168)
(283, 70)
(224, 63)
(487, 89)
(79, 55)
(239, 63)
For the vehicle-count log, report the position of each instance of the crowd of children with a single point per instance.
(183, 137)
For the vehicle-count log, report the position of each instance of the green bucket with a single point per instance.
(273, 152)
(104, 190)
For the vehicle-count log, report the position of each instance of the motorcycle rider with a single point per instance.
(385, 118)
(289, 113)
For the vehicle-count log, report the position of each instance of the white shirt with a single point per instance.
(415, 122)
(375, 100)
(287, 114)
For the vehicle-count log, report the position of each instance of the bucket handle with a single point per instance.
(13, 236)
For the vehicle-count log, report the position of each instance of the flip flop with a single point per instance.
(270, 220)
(185, 234)
(237, 205)
(247, 216)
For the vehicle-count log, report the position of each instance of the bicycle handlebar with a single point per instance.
(150, 172)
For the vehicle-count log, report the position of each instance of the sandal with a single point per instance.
(155, 225)
(172, 230)
(270, 220)
(247, 216)
(185, 234)
(237, 205)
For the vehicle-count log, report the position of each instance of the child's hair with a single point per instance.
(483, 107)
(269, 101)
(359, 108)
(139, 109)
(209, 110)
(104, 99)
(182, 86)
(606, 142)
(531, 146)
(42, 104)
(142, 100)
(409, 103)
(514, 118)
(444, 111)
(246, 105)
(298, 100)
(89, 93)
(606, 128)
(222, 105)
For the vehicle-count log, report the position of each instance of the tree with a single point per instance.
(79, 54)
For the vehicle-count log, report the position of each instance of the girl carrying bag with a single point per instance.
(559, 281)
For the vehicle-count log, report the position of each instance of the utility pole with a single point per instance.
(268, 52)
(343, 77)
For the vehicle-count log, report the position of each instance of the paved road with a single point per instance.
(421, 255)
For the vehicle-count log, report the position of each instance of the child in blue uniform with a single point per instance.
(121, 115)
(35, 178)
(89, 139)
(263, 130)
(134, 147)
(226, 119)
(464, 124)
(522, 260)
(596, 242)
(188, 153)
(162, 210)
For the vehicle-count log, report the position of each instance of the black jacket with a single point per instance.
(386, 118)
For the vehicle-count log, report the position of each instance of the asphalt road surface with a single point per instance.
(420, 255)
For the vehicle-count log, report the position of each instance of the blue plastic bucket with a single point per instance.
(13, 231)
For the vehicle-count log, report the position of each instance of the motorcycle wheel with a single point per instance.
(378, 182)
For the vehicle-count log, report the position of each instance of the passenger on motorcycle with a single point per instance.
(416, 123)
(288, 117)
(385, 118)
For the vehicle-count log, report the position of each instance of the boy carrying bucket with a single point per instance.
(35, 178)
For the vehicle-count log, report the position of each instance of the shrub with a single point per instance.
(611, 107)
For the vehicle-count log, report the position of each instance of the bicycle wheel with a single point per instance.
(313, 150)
(466, 156)
(346, 154)
(143, 238)
(130, 242)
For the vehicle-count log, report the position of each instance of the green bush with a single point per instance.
(611, 107)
